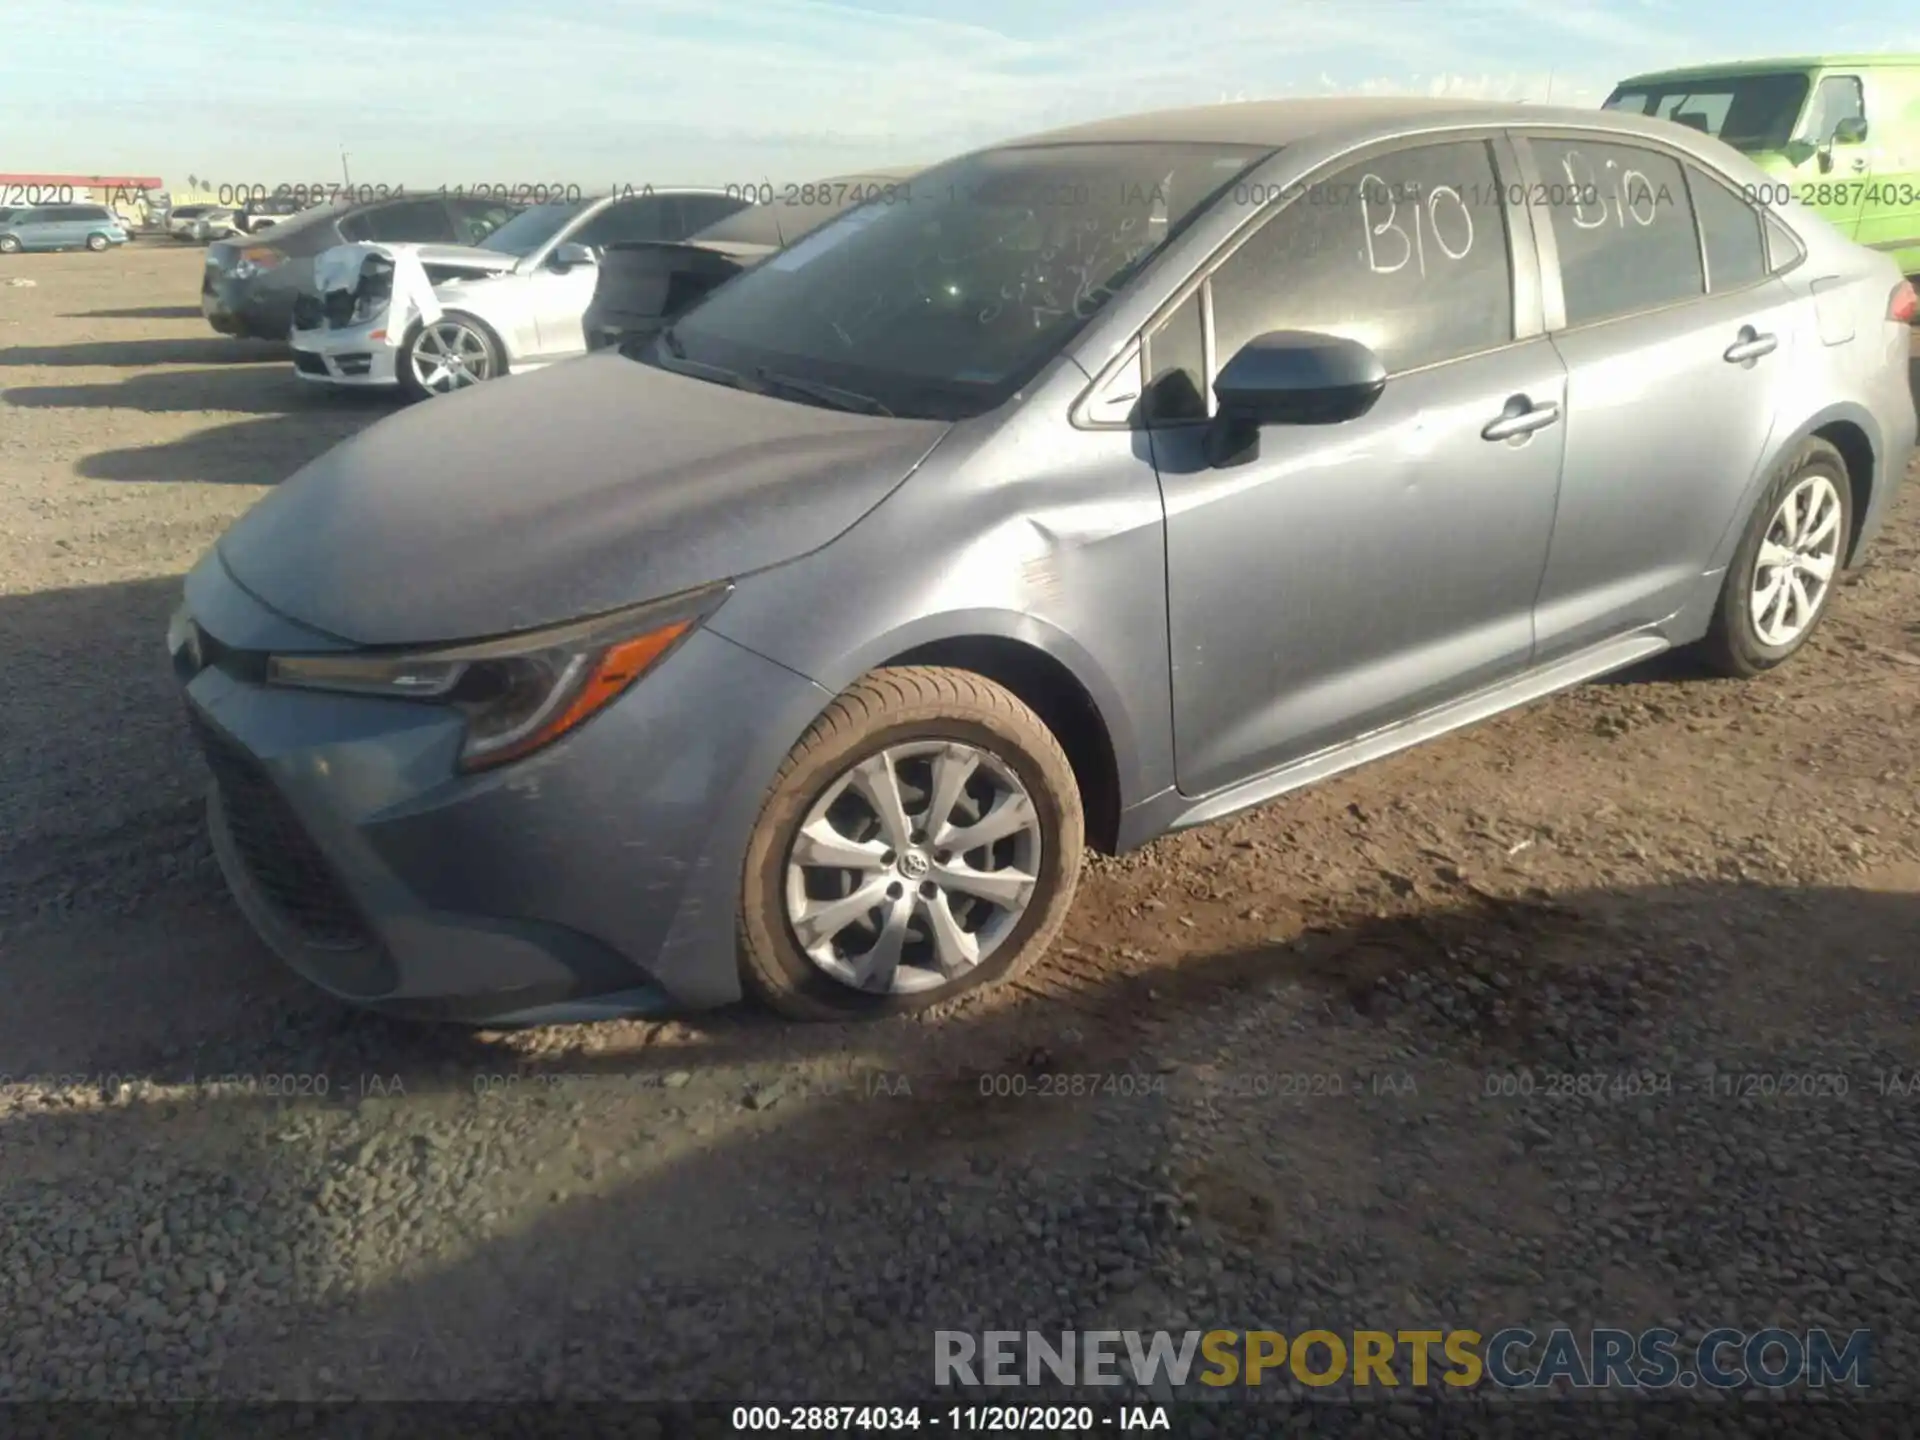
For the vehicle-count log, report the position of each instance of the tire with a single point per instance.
(1737, 643)
(97, 243)
(9, 244)
(890, 716)
(489, 347)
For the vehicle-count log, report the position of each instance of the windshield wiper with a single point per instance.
(829, 395)
(699, 369)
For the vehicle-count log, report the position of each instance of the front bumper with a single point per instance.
(349, 356)
(598, 876)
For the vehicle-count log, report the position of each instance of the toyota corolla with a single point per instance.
(1095, 485)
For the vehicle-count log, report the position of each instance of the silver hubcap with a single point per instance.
(449, 355)
(913, 867)
(1796, 563)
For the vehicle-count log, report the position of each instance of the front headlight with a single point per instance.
(522, 692)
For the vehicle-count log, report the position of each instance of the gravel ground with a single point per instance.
(1321, 1039)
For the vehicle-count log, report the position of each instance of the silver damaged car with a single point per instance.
(1100, 484)
(433, 318)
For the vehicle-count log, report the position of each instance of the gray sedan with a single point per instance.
(1102, 484)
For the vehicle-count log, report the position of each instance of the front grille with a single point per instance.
(280, 857)
(308, 312)
(308, 364)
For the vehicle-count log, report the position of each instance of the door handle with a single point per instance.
(1750, 346)
(1521, 417)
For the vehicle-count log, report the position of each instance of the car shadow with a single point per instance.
(598, 1261)
(250, 452)
(140, 312)
(264, 388)
(186, 350)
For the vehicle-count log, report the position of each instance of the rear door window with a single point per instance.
(410, 221)
(647, 217)
(1622, 225)
(475, 220)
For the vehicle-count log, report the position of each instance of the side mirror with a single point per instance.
(566, 256)
(1290, 377)
(1851, 131)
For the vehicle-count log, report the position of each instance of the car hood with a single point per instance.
(572, 490)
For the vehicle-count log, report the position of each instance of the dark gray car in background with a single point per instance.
(1106, 483)
(251, 282)
(641, 285)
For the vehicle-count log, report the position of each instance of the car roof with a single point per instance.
(1730, 69)
(1277, 123)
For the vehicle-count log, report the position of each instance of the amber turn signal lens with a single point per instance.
(1905, 304)
(616, 668)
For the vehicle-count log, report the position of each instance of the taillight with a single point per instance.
(1904, 304)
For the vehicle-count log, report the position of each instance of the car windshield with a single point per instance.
(1749, 112)
(531, 228)
(944, 298)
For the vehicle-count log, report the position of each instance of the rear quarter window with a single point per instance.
(1731, 232)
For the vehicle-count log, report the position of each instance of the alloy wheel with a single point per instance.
(449, 355)
(1798, 555)
(913, 867)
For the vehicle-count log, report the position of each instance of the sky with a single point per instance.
(606, 93)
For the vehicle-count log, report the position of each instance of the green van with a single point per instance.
(1839, 133)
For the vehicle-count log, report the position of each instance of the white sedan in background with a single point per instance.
(436, 318)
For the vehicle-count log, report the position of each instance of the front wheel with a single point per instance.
(1789, 560)
(450, 354)
(922, 840)
(97, 242)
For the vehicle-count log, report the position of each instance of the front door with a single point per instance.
(1890, 217)
(1357, 573)
(1674, 373)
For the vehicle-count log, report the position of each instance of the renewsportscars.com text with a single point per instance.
(1512, 1359)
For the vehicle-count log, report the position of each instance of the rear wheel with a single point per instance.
(922, 840)
(9, 244)
(449, 354)
(1789, 560)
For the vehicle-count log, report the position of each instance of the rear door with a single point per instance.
(1677, 341)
